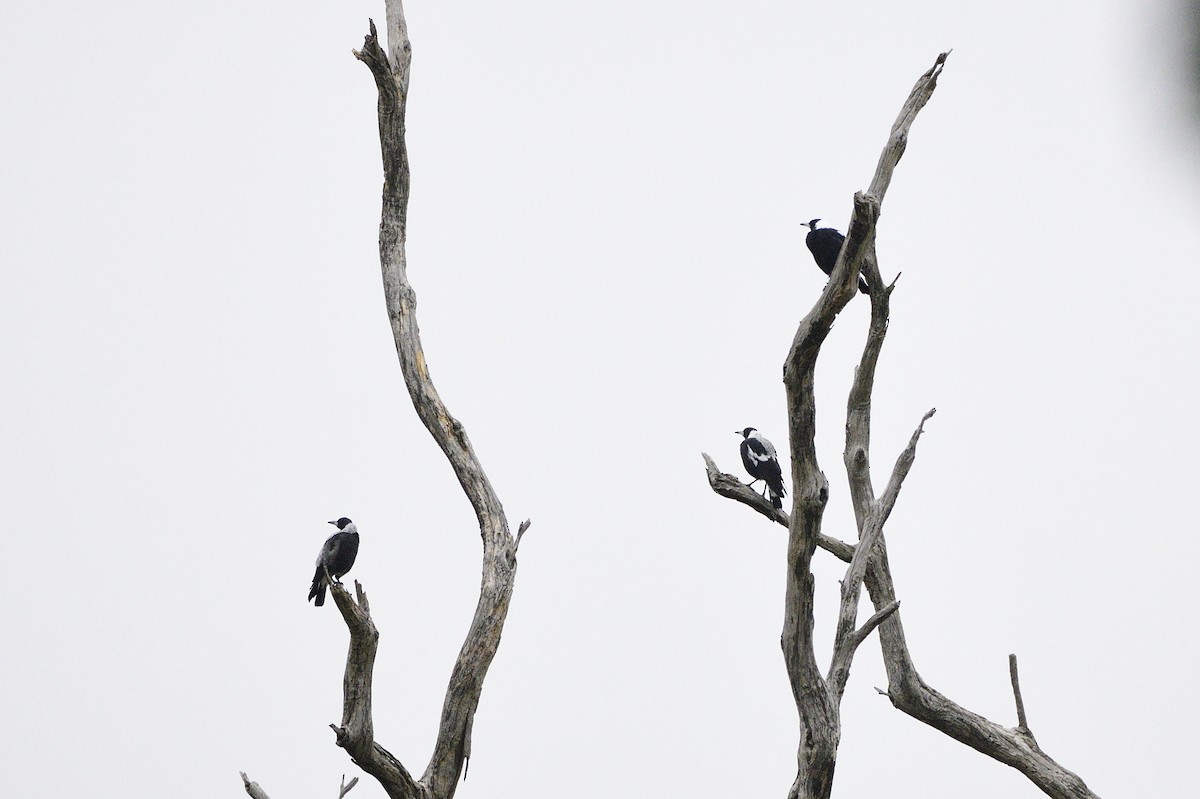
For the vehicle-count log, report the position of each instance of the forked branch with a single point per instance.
(817, 699)
(391, 72)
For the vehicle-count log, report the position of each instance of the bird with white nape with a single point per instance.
(335, 558)
(758, 456)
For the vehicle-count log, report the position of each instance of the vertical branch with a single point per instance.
(357, 732)
(391, 72)
(1022, 724)
(816, 701)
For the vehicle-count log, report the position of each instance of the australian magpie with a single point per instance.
(336, 557)
(825, 243)
(758, 456)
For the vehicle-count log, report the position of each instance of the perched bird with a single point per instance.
(335, 558)
(758, 456)
(825, 243)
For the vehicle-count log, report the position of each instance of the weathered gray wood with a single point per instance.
(818, 699)
(1022, 722)
(907, 690)
(257, 792)
(911, 695)
(252, 788)
(728, 485)
(356, 734)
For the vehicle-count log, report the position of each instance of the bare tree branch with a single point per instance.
(870, 624)
(856, 456)
(898, 141)
(728, 485)
(344, 788)
(857, 460)
(252, 788)
(911, 695)
(520, 532)
(452, 748)
(357, 733)
(1022, 724)
(816, 701)
(903, 463)
(907, 690)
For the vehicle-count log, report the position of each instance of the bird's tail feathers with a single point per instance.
(317, 591)
(777, 491)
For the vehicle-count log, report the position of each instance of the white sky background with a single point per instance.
(605, 243)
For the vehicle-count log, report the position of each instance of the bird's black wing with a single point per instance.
(326, 560)
(344, 553)
(824, 243)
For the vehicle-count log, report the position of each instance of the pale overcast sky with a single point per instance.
(605, 243)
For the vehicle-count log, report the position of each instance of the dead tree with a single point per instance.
(818, 694)
(356, 733)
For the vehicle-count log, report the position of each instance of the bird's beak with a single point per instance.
(332, 522)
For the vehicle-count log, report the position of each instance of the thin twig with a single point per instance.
(520, 532)
(870, 624)
(1022, 724)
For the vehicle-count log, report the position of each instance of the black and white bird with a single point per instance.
(336, 557)
(825, 243)
(758, 456)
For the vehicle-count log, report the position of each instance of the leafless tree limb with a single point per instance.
(356, 734)
(1022, 724)
(520, 532)
(727, 485)
(817, 701)
(257, 792)
(870, 514)
(898, 141)
(869, 563)
(870, 624)
(252, 788)
(391, 72)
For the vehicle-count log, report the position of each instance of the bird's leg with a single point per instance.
(328, 577)
(752, 482)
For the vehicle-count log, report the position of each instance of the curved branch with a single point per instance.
(816, 701)
(846, 639)
(911, 695)
(357, 733)
(391, 72)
